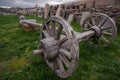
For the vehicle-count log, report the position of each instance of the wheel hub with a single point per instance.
(97, 30)
(50, 47)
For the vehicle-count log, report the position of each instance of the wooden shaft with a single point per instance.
(84, 36)
(32, 23)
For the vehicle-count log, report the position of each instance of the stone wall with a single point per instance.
(65, 10)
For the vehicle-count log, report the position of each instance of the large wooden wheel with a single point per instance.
(59, 48)
(107, 26)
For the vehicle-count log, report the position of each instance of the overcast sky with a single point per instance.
(31, 3)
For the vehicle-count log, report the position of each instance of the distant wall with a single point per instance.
(103, 2)
(117, 2)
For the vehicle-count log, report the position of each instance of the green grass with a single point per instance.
(17, 63)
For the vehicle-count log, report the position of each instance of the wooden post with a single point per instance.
(58, 13)
(70, 18)
(47, 11)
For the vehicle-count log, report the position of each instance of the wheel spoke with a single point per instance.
(106, 28)
(86, 29)
(86, 25)
(62, 41)
(47, 28)
(45, 33)
(64, 60)
(96, 19)
(93, 21)
(59, 31)
(65, 52)
(60, 64)
(51, 64)
(103, 22)
(107, 33)
(53, 29)
(66, 45)
(89, 24)
(105, 39)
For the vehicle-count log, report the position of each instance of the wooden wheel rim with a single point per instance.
(112, 26)
(67, 29)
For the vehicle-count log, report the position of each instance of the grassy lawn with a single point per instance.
(17, 62)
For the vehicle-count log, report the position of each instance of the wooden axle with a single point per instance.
(79, 37)
(40, 51)
(84, 36)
